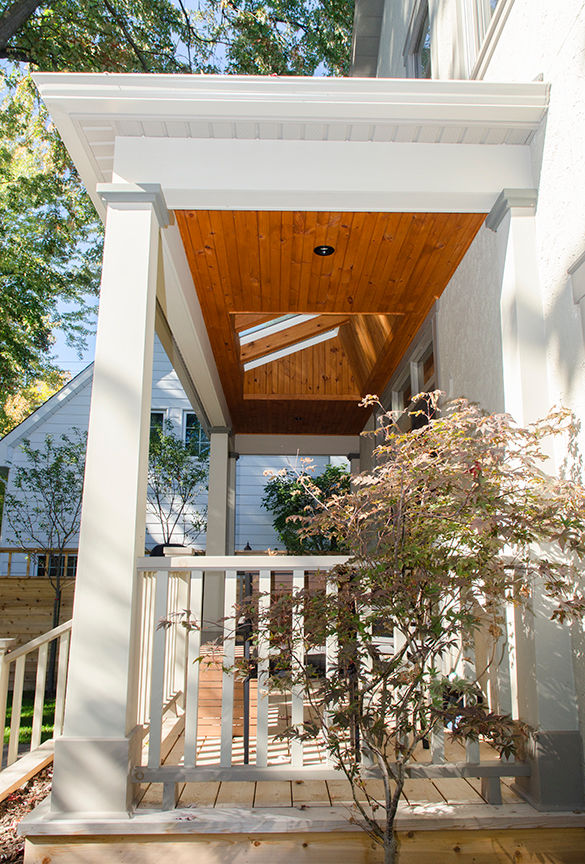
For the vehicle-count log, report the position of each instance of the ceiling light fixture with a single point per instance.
(323, 250)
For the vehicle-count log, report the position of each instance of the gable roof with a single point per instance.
(43, 412)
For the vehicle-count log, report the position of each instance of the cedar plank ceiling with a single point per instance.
(250, 267)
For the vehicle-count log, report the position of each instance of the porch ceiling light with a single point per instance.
(323, 250)
(291, 349)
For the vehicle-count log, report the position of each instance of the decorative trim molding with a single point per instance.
(136, 193)
(511, 199)
(225, 430)
(576, 274)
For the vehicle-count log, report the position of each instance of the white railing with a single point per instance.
(169, 669)
(13, 664)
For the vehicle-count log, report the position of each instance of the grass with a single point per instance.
(26, 719)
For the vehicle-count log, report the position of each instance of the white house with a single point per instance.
(69, 409)
(426, 223)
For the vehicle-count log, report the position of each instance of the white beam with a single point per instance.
(291, 349)
(320, 175)
(289, 445)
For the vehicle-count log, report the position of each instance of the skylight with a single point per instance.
(292, 349)
(275, 325)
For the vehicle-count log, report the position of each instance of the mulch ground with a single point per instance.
(13, 808)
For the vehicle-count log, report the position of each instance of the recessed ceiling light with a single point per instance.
(323, 250)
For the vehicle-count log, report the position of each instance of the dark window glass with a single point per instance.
(423, 49)
(157, 421)
(56, 564)
(195, 436)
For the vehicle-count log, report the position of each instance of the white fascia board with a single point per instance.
(291, 349)
(43, 412)
(294, 98)
(184, 316)
(321, 175)
(290, 445)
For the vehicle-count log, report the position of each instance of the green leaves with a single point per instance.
(290, 495)
(50, 242)
(175, 478)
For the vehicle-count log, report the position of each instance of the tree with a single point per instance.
(44, 509)
(457, 519)
(290, 493)
(262, 37)
(50, 243)
(176, 476)
(18, 407)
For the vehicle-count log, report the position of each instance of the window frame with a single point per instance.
(415, 39)
(199, 453)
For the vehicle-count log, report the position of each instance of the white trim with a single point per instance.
(420, 12)
(491, 38)
(511, 199)
(289, 445)
(136, 193)
(291, 349)
(260, 332)
(93, 112)
(30, 423)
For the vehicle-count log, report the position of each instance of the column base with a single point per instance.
(91, 775)
(557, 781)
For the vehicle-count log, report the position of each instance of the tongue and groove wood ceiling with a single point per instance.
(364, 302)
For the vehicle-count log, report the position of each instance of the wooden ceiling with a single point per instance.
(376, 289)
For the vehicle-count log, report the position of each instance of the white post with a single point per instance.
(93, 756)
(217, 526)
(544, 678)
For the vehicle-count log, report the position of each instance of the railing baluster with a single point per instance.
(470, 674)
(331, 649)
(438, 745)
(263, 649)
(511, 612)
(39, 696)
(195, 604)
(159, 639)
(4, 676)
(298, 641)
(16, 709)
(228, 677)
(61, 682)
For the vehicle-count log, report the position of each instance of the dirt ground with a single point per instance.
(13, 808)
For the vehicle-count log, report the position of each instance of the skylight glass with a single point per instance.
(275, 325)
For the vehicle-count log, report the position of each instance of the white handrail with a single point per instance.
(18, 657)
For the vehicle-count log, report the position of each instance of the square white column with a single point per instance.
(92, 758)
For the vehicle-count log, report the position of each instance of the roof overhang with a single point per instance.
(302, 146)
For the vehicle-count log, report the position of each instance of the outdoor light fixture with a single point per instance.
(323, 250)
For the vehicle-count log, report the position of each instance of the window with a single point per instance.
(417, 51)
(157, 422)
(416, 374)
(66, 564)
(195, 436)
(481, 29)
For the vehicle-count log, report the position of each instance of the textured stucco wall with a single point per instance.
(469, 348)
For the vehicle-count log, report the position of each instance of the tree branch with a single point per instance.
(122, 25)
(14, 17)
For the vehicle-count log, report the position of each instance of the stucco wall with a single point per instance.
(469, 349)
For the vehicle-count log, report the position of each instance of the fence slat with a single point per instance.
(61, 682)
(263, 648)
(297, 706)
(228, 677)
(159, 639)
(16, 710)
(195, 604)
(39, 696)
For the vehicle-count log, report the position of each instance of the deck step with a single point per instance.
(20, 772)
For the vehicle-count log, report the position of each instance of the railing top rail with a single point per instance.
(40, 640)
(242, 562)
(37, 550)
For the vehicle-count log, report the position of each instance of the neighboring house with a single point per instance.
(68, 409)
(297, 244)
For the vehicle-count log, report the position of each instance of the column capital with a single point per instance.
(511, 199)
(136, 193)
(220, 430)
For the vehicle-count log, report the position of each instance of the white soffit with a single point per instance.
(91, 111)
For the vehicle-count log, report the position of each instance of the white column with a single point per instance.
(92, 758)
(545, 684)
(217, 523)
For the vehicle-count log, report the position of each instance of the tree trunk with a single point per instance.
(13, 19)
(52, 667)
(390, 847)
